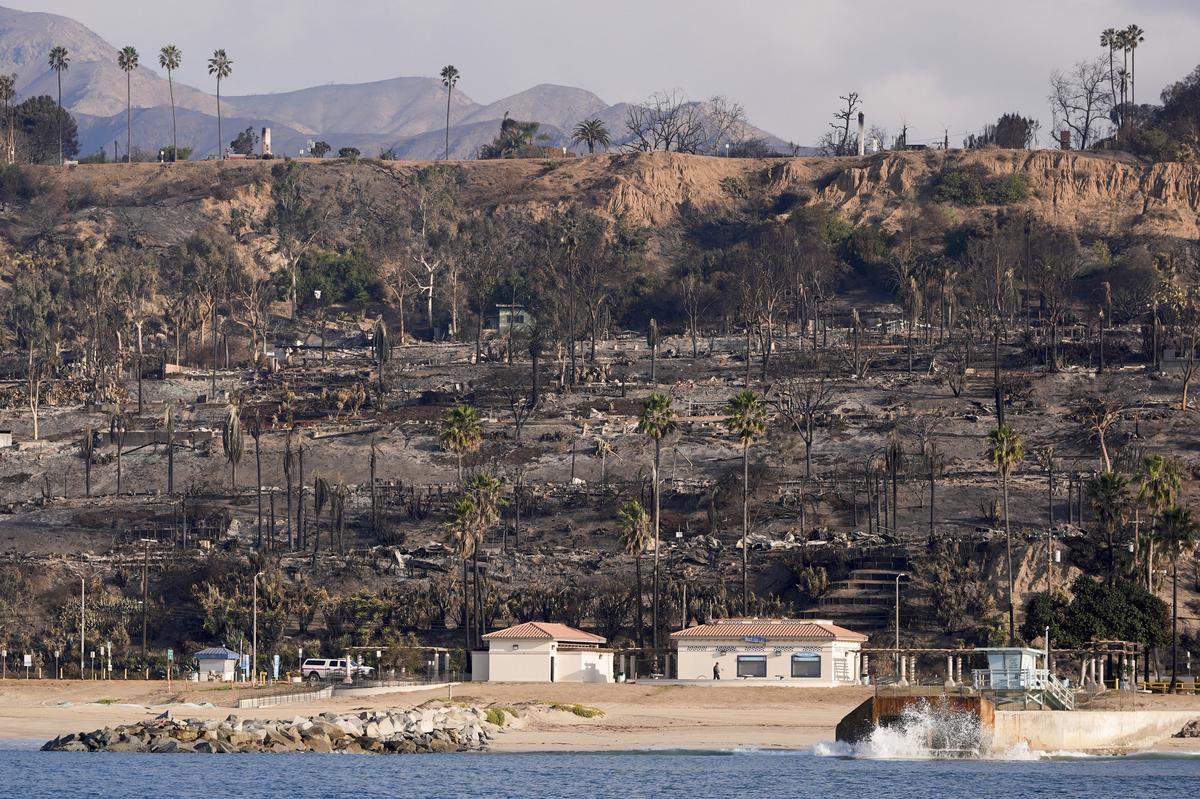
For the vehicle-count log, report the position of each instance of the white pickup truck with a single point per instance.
(317, 669)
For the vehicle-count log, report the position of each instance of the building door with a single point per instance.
(552, 668)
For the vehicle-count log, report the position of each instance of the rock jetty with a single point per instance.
(447, 728)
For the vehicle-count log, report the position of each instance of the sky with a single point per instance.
(933, 65)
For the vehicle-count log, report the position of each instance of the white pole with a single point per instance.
(82, 623)
(254, 631)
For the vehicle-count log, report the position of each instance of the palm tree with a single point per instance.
(592, 132)
(170, 58)
(1006, 451)
(461, 433)
(1109, 497)
(484, 492)
(232, 441)
(747, 419)
(60, 62)
(1133, 37)
(450, 77)
(461, 526)
(8, 91)
(633, 533)
(127, 60)
(656, 423)
(221, 66)
(1161, 483)
(1110, 38)
(1178, 532)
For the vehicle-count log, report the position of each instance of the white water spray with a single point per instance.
(923, 732)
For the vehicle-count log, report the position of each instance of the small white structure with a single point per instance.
(538, 651)
(809, 652)
(217, 664)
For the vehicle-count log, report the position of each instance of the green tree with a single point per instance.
(1005, 450)
(450, 75)
(633, 533)
(1110, 499)
(60, 62)
(170, 58)
(350, 153)
(233, 442)
(220, 66)
(41, 124)
(1098, 611)
(1177, 531)
(592, 132)
(320, 149)
(461, 432)
(657, 421)
(244, 142)
(746, 417)
(127, 60)
(1160, 486)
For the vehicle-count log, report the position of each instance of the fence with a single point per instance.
(286, 698)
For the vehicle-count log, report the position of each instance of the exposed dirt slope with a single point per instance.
(157, 205)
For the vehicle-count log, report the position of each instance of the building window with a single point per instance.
(752, 666)
(806, 664)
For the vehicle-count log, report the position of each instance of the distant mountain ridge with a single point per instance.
(406, 114)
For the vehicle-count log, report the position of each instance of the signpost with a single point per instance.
(275, 668)
(170, 663)
(28, 664)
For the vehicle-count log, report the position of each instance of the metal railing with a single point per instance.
(1037, 685)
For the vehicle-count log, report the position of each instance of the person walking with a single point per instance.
(716, 671)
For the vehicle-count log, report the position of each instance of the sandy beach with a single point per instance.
(636, 716)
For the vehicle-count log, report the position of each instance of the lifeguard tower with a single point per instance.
(1020, 675)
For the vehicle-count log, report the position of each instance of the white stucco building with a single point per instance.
(805, 652)
(539, 651)
(216, 664)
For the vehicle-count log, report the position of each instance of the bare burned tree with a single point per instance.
(666, 121)
(837, 140)
(1079, 99)
(724, 124)
(1098, 410)
(511, 390)
(803, 401)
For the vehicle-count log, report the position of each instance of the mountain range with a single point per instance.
(405, 114)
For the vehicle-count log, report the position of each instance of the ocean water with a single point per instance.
(829, 770)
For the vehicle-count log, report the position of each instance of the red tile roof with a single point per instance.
(771, 629)
(547, 631)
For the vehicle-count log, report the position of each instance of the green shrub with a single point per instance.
(583, 711)
(734, 186)
(974, 186)
(495, 715)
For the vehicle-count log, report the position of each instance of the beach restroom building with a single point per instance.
(539, 651)
(805, 652)
(217, 664)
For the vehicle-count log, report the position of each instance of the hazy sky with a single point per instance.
(931, 63)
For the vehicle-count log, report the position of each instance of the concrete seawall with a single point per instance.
(1086, 730)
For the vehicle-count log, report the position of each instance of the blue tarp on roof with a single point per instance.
(217, 653)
